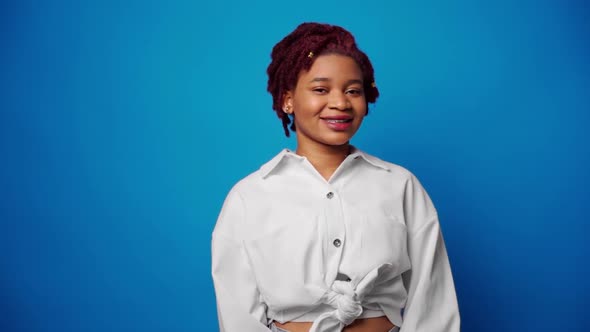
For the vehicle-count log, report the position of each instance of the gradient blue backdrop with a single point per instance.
(124, 124)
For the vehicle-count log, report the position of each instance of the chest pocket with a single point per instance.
(287, 261)
(383, 241)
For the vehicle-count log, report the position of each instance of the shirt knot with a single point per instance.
(343, 298)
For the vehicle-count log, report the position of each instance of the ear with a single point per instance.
(288, 102)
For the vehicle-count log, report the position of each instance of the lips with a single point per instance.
(337, 119)
(338, 123)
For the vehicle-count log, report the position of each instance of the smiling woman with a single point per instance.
(328, 105)
(329, 238)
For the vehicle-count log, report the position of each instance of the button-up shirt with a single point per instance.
(291, 246)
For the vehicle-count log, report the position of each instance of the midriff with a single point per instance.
(374, 324)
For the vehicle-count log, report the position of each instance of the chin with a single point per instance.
(338, 141)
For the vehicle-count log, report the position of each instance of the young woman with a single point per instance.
(329, 238)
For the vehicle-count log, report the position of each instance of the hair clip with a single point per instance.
(373, 84)
(310, 55)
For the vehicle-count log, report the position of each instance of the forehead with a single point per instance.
(334, 67)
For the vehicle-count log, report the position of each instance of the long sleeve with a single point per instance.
(432, 303)
(238, 301)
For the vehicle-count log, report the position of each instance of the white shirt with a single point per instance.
(291, 246)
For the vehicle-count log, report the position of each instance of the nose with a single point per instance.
(339, 101)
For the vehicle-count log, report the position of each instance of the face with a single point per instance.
(328, 101)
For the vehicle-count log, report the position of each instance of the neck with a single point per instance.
(324, 158)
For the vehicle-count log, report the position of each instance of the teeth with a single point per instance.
(338, 121)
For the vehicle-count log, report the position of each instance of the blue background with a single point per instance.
(124, 124)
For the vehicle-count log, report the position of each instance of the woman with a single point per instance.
(327, 237)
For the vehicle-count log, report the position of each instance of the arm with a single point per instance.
(238, 301)
(432, 303)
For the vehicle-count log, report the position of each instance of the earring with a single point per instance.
(287, 110)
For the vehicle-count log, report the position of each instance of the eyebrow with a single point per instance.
(325, 79)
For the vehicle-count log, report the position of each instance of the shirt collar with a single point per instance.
(370, 159)
(286, 153)
(274, 162)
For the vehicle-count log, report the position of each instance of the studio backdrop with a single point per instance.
(123, 125)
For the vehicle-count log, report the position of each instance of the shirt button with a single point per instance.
(337, 243)
(330, 195)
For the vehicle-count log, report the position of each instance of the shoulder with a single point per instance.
(418, 208)
(244, 197)
(254, 180)
(392, 173)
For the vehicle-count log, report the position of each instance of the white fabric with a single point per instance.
(274, 254)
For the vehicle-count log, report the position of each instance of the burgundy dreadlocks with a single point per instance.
(297, 52)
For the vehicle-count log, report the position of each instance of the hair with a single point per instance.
(297, 52)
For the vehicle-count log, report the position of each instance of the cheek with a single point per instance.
(361, 107)
(308, 108)
(360, 121)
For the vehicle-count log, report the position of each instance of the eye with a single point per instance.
(320, 90)
(354, 92)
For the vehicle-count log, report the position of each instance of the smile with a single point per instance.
(338, 120)
(336, 124)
